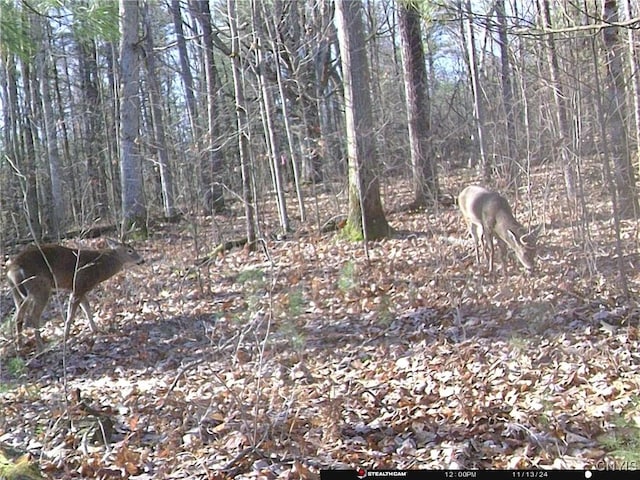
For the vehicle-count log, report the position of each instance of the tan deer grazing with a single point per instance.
(488, 214)
(39, 269)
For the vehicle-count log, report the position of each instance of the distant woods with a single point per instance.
(115, 113)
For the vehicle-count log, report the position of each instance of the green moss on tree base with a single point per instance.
(352, 231)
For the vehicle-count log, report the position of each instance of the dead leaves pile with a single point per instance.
(319, 354)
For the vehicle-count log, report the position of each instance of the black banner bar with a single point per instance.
(474, 474)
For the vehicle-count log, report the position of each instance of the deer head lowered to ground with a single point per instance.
(40, 269)
(488, 214)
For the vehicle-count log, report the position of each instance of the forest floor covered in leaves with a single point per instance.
(313, 352)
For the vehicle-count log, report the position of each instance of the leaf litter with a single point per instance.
(310, 355)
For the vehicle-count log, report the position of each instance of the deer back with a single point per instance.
(65, 268)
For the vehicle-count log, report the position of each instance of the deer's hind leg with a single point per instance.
(30, 297)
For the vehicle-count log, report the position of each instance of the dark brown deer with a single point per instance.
(38, 270)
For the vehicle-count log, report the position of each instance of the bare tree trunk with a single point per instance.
(512, 158)
(11, 108)
(92, 148)
(133, 205)
(27, 168)
(425, 180)
(56, 209)
(616, 114)
(185, 69)
(366, 217)
(565, 141)
(286, 119)
(607, 149)
(243, 125)
(634, 63)
(213, 162)
(273, 146)
(111, 119)
(11, 140)
(166, 177)
(478, 105)
(64, 138)
(323, 67)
